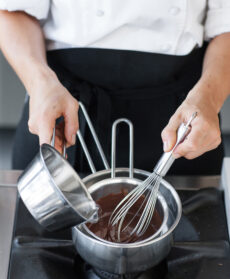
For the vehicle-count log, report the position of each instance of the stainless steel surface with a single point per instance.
(128, 258)
(94, 135)
(167, 159)
(7, 212)
(116, 185)
(86, 151)
(54, 193)
(113, 146)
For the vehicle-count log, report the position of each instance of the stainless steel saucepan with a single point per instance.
(131, 257)
(120, 258)
(117, 184)
(53, 192)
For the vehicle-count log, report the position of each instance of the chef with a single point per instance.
(154, 62)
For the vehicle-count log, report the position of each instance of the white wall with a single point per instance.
(12, 96)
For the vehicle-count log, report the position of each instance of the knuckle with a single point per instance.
(173, 118)
(75, 126)
(189, 156)
(163, 133)
(74, 104)
(31, 126)
(72, 124)
(216, 133)
(216, 136)
(217, 142)
(168, 132)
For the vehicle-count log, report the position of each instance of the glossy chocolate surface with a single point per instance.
(107, 232)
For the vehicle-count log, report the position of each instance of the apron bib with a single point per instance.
(146, 88)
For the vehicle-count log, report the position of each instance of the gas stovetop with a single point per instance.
(201, 246)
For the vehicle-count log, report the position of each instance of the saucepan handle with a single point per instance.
(83, 144)
(113, 148)
(96, 140)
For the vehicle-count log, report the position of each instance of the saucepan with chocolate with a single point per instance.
(126, 257)
(97, 243)
(108, 193)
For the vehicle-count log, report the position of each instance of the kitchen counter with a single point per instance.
(8, 197)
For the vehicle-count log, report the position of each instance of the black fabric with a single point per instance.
(143, 87)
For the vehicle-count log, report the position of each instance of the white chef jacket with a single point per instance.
(161, 26)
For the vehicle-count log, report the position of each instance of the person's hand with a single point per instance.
(205, 133)
(50, 100)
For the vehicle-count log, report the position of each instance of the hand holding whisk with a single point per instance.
(146, 192)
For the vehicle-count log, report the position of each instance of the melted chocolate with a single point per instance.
(106, 206)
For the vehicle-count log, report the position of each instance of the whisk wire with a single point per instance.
(134, 195)
(130, 199)
(136, 214)
(148, 211)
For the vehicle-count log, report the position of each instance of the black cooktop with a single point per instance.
(201, 248)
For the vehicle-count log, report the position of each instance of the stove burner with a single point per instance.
(106, 275)
(88, 272)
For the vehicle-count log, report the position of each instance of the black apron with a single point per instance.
(146, 88)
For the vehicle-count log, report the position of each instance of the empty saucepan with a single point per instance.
(54, 193)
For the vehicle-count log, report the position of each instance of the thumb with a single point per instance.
(169, 134)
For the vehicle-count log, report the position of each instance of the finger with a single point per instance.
(169, 134)
(59, 137)
(206, 148)
(46, 131)
(71, 122)
(195, 143)
(193, 155)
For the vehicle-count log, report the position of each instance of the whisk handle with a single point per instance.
(167, 158)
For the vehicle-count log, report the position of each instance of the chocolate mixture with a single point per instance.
(106, 206)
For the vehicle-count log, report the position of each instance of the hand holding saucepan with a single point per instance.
(49, 101)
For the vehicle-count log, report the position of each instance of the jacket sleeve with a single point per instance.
(36, 8)
(218, 18)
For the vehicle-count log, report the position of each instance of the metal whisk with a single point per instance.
(148, 190)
